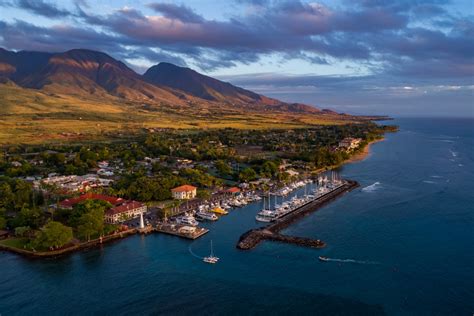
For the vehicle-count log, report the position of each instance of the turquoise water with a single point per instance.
(409, 227)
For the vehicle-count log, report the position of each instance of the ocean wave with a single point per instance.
(351, 261)
(436, 176)
(372, 187)
(429, 182)
(460, 165)
(453, 153)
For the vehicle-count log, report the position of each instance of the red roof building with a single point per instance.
(233, 190)
(184, 192)
(69, 203)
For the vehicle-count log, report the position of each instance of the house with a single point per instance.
(349, 143)
(184, 192)
(124, 211)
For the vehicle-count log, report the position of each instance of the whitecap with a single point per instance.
(436, 176)
(453, 153)
(372, 187)
(460, 165)
(429, 182)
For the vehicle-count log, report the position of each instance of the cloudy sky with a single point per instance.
(395, 57)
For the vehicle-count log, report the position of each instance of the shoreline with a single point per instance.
(364, 153)
(70, 249)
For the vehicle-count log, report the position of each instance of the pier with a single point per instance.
(252, 238)
(182, 230)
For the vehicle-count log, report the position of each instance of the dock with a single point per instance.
(252, 238)
(183, 231)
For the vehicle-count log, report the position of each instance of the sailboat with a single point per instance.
(211, 258)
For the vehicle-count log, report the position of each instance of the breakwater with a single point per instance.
(252, 238)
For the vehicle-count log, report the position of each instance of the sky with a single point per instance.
(386, 57)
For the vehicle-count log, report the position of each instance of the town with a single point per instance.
(55, 198)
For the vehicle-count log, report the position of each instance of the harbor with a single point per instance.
(252, 238)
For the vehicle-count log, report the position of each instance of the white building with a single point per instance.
(184, 192)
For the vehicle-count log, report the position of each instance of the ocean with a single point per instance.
(401, 244)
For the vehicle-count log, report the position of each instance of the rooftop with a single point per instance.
(91, 196)
(184, 188)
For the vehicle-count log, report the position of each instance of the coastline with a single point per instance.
(364, 153)
(69, 249)
(359, 156)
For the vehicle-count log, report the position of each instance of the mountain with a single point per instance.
(196, 84)
(84, 95)
(82, 72)
(191, 82)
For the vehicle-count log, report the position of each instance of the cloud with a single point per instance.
(174, 11)
(380, 94)
(401, 38)
(39, 7)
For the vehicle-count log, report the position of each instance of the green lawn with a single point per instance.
(15, 242)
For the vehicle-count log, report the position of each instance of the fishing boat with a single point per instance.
(211, 258)
(321, 258)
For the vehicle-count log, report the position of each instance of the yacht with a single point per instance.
(207, 216)
(211, 258)
(321, 258)
(266, 216)
(187, 220)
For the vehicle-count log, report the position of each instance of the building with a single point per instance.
(184, 192)
(349, 143)
(69, 203)
(124, 211)
(120, 211)
(233, 191)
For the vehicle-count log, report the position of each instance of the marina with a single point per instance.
(252, 238)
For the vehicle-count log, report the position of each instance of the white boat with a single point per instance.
(266, 216)
(207, 216)
(321, 258)
(187, 220)
(211, 258)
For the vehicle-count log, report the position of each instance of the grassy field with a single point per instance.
(14, 242)
(31, 116)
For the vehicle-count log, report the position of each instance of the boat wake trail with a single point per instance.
(193, 254)
(351, 261)
(372, 187)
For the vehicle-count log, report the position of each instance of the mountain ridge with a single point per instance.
(83, 71)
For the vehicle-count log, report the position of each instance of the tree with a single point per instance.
(22, 231)
(248, 174)
(53, 235)
(6, 195)
(86, 207)
(269, 169)
(91, 224)
(3, 222)
(203, 194)
(223, 168)
(32, 217)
